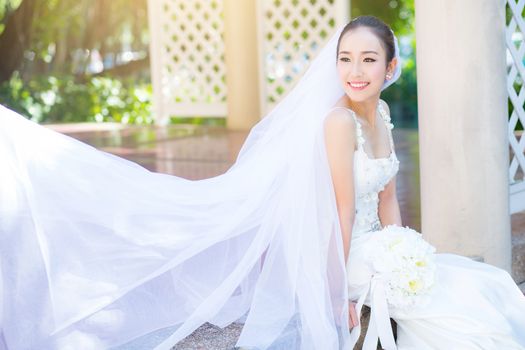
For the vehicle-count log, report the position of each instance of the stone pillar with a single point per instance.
(463, 144)
(242, 63)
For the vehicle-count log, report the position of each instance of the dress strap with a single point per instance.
(388, 123)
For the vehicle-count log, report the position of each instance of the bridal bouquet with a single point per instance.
(406, 264)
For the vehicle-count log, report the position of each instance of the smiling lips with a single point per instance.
(358, 85)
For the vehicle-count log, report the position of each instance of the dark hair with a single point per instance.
(378, 27)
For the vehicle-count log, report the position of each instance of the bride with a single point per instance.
(473, 305)
(96, 251)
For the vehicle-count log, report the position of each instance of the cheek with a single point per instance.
(341, 71)
(377, 73)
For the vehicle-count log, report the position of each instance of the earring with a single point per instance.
(388, 76)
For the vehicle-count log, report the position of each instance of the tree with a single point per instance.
(16, 38)
(59, 36)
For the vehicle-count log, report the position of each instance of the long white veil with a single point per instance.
(96, 250)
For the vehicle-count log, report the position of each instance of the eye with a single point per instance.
(344, 59)
(370, 59)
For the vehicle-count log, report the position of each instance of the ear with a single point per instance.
(392, 65)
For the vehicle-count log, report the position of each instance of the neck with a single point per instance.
(365, 109)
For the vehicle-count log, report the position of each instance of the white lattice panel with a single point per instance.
(187, 53)
(291, 32)
(516, 76)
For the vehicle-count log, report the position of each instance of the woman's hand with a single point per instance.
(353, 320)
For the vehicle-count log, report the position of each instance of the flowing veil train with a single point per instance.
(96, 250)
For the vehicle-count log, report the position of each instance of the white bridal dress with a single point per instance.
(473, 305)
(96, 251)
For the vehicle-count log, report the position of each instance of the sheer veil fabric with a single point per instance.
(97, 251)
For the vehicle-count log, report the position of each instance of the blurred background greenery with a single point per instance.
(88, 60)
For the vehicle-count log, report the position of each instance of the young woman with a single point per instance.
(473, 305)
(96, 251)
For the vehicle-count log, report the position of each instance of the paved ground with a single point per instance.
(200, 152)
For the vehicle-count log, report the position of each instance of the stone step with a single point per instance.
(518, 246)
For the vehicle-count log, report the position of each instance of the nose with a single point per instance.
(356, 69)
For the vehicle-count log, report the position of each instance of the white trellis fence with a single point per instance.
(516, 90)
(290, 34)
(187, 57)
(187, 50)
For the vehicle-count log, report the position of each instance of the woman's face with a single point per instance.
(361, 64)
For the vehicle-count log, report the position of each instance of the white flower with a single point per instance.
(406, 263)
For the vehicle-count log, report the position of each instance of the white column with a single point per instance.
(159, 113)
(463, 145)
(242, 63)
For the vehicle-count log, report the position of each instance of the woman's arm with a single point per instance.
(389, 212)
(339, 132)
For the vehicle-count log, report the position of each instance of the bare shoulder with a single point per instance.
(339, 131)
(385, 106)
(339, 120)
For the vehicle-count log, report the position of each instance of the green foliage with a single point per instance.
(65, 33)
(402, 95)
(50, 99)
(398, 14)
(6, 7)
(208, 121)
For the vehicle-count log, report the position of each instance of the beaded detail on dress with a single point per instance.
(371, 175)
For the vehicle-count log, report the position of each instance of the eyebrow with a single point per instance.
(347, 52)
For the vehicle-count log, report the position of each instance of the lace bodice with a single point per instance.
(370, 177)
